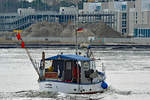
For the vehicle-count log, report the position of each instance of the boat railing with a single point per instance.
(37, 64)
(101, 65)
(103, 68)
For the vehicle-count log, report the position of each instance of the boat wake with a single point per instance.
(49, 95)
(28, 94)
(62, 96)
(126, 92)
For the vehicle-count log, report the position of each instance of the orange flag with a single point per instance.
(18, 36)
(22, 44)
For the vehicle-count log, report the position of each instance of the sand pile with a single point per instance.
(45, 29)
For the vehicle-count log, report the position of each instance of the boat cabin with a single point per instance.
(68, 68)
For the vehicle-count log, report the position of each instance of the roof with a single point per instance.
(69, 57)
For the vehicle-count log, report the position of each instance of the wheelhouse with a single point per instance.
(68, 68)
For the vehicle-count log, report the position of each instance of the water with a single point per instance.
(127, 71)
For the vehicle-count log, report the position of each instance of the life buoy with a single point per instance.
(104, 85)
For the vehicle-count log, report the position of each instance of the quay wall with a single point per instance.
(144, 41)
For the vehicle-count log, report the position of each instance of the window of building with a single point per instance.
(141, 32)
(136, 21)
(123, 23)
(148, 32)
(136, 14)
(124, 7)
(124, 15)
(98, 8)
(124, 30)
(148, 6)
(135, 33)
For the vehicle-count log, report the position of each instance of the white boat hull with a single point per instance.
(72, 88)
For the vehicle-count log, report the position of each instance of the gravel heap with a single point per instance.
(45, 29)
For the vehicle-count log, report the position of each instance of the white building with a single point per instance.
(142, 8)
(120, 9)
(139, 23)
(68, 10)
(91, 7)
(25, 11)
(133, 17)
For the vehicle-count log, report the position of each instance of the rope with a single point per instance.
(35, 67)
(22, 45)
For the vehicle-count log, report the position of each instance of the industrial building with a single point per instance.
(129, 17)
(24, 17)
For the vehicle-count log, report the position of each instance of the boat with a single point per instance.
(72, 74)
(69, 73)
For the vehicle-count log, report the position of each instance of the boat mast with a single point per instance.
(76, 28)
(76, 42)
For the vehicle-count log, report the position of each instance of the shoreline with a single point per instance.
(71, 45)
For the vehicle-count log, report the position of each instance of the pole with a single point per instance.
(43, 65)
(76, 42)
(76, 27)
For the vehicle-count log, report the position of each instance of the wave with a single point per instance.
(126, 92)
(28, 94)
(50, 95)
(62, 96)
